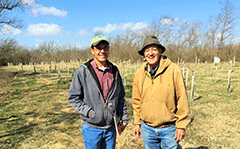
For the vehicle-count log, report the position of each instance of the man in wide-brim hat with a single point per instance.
(159, 99)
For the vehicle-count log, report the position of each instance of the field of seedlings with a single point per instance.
(34, 111)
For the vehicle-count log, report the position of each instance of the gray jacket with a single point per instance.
(85, 96)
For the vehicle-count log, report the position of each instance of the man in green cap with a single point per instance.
(97, 93)
(159, 100)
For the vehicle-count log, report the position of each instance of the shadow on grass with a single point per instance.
(15, 128)
(200, 147)
(199, 97)
(25, 129)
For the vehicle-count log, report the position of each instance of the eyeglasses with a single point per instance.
(105, 48)
(151, 49)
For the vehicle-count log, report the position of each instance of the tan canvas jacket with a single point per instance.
(162, 99)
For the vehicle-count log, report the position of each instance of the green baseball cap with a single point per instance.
(96, 40)
(151, 40)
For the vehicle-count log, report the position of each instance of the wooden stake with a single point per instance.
(186, 78)
(229, 80)
(192, 88)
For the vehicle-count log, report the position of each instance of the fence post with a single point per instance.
(66, 73)
(55, 68)
(206, 67)
(22, 66)
(183, 70)
(50, 67)
(34, 68)
(229, 80)
(230, 65)
(59, 75)
(192, 88)
(234, 62)
(72, 73)
(210, 73)
(196, 60)
(186, 78)
(123, 75)
(43, 70)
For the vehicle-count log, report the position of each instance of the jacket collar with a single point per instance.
(163, 64)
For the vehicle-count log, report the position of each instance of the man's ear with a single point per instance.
(92, 50)
(160, 51)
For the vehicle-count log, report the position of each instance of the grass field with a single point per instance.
(34, 112)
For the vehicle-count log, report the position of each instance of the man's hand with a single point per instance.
(123, 126)
(136, 131)
(179, 134)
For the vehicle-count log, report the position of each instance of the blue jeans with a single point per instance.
(157, 138)
(95, 138)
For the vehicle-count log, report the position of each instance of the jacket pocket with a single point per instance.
(98, 119)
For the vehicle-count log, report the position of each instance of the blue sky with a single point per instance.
(74, 22)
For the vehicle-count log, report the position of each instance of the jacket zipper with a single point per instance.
(105, 112)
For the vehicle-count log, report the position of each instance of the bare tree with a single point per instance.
(226, 19)
(6, 6)
(164, 29)
(211, 34)
(192, 38)
(7, 51)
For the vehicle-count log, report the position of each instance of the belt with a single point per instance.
(161, 126)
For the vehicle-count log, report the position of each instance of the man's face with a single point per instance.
(152, 54)
(101, 52)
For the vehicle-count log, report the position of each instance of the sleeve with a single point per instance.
(183, 112)
(136, 96)
(122, 106)
(76, 94)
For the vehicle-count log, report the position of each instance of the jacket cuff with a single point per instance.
(90, 113)
(137, 122)
(125, 121)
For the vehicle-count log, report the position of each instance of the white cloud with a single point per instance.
(44, 29)
(132, 26)
(10, 30)
(83, 32)
(28, 2)
(123, 26)
(108, 29)
(167, 21)
(41, 10)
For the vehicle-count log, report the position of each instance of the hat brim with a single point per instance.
(141, 52)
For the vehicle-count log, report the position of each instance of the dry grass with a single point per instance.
(34, 111)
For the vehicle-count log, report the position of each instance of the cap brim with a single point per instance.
(96, 43)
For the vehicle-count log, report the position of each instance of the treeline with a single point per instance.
(123, 47)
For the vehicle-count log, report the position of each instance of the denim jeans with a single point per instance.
(157, 138)
(95, 138)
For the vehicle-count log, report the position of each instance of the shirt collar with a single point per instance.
(94, 64)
